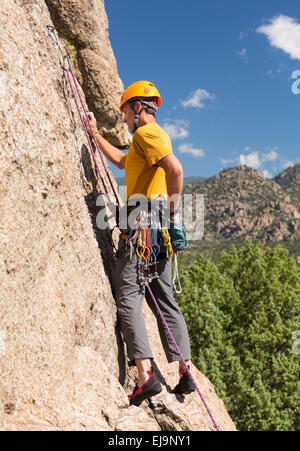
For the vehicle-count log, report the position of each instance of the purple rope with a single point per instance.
(182, 358)
(69, 70)
(93, 134)
(85, 130)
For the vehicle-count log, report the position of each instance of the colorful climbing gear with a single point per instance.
(178, 235)
(167, 242)
(176, 276)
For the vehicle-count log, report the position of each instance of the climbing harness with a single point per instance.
(144, 237)
(151, 243)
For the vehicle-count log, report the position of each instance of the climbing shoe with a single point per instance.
(151, 388)
(186, 384)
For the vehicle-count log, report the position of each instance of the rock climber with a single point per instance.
(151, 169)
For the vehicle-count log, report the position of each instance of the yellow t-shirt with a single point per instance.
(142, 176)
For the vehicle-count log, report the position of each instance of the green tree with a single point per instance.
(241, 316)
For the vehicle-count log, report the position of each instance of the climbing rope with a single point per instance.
(74, 86)
(141, 238)
(182, 358)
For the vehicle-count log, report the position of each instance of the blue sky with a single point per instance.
(224, 71)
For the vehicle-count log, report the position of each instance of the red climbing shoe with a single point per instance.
(186, 384)
(150, 388)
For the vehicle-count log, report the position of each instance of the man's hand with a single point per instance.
(114, 155)
(93, 123)
(174, 216)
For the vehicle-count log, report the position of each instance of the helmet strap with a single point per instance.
(136, 120)
(145, 104)
(136, 115)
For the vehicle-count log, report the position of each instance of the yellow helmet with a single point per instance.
(140, 89)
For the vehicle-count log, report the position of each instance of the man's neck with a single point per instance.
(146, 119)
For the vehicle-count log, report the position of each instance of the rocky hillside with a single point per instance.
(240, 203)
(289, 180)
(62, 360)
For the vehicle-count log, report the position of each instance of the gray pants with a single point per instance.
(129, 298)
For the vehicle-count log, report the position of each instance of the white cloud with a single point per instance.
(259, 161)
(252, 160)
(244, 34)
(287, 163)
(270, 156)
(176, 130)
(225, 161)
(267, 174)
(283, 33)
(242, 54)
(188, 148)
(273, 72)
(196, 99)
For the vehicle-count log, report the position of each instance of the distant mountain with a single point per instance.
(240, 203)
(187, 180)
(289, 180)
(194, 179)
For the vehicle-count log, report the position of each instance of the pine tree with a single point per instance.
(241, 316)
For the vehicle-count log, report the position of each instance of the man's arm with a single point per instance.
(174, 179)
(112, 153)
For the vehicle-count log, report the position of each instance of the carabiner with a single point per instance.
(149, 252)
(66, 58)
(155, 253)
(156, 245)
(54, 37)
(140, 253)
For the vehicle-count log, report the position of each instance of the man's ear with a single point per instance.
(137, 106)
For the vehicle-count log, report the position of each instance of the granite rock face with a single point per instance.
(83, 28)
(62, 360)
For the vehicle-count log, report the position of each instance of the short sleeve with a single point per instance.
(154, 143)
